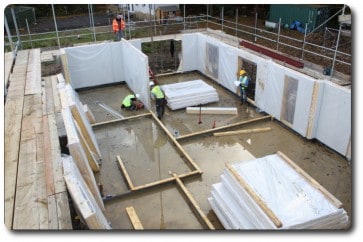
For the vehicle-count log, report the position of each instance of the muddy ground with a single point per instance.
(149, 156)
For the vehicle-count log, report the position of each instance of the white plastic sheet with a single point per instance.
(292, 198)
(307, 109)
(190, 93)
(335, 117)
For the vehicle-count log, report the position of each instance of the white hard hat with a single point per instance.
(137, 96)
(151, 83)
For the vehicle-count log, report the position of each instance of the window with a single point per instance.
(289, 99)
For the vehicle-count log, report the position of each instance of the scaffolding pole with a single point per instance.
(56, 27)
(8, 33)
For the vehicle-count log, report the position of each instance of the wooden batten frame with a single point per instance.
(262, 204)
(195, 205)
(181, 149)
(313, 111)
(89, 114)
(311, 180)
(224, 127)
(82, 197)
(91, 157)
(81, 119)
(79, 156)
(120, 120)
(125, 173)
(212, 110)
(165, 181)
(134, 218)
(242, 131)
(64, 61)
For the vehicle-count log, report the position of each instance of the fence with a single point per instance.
(275, 38)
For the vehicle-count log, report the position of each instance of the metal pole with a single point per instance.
(8, 33)
(236, 20)
(93, 22)
(222, 17)
(303, 47)
(256, 28)
(35, 19)
(278, 35)
(207, 14)
(30, 37)
(184, 17)
(154, 20)
(128, 18)
(16, 26)
(326, 28)
(335, 53)
(56, 27)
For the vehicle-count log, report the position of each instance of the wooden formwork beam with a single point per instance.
(255, 196)
(121, 119)
(165, 181)
(190, 160)
(125, 173)
(196, 207)
(224, 127)
(134, 218)
(212, 110)
(242, 131)
(311, 180)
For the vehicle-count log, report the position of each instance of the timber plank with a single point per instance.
(48, 158)
(134, 218)
(52, 216)
(13, 120)
(59, 184)
(311, 180)
(80, 118)
(79, 156)
(33, 76)
(56, 98)
(82, 197)
(48, 95)
(194, 203)
(262, 204)
(63, 211)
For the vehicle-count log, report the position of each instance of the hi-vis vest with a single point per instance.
(244, 80)
(116, 27)
(127, 101)
(157, 91)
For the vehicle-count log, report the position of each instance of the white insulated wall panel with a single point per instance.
(227, 67)
(190, 52)
(334, 123)
(136, 71)
(90, 65)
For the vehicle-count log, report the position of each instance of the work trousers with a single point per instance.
(243, 94)
(160, 107)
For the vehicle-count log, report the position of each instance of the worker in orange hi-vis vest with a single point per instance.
(118, 26)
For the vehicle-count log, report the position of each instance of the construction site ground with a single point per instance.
(149, 155)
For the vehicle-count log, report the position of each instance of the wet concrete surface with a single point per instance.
(149, 156)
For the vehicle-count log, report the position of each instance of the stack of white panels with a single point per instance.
(269, 193)
(190, 93)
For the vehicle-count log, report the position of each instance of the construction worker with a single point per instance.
(130, 102)
(118, 26)
(244, 80)
(160, 100)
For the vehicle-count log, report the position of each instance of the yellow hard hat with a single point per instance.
(241, 72)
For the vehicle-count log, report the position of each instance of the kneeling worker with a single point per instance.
(160, 100)
(130, 102)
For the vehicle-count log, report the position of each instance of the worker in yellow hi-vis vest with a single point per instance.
(160, 100)
(244, 80)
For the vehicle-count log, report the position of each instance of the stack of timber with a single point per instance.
(190, 93)
(35, 191)
(273, 193)
(83, 198)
